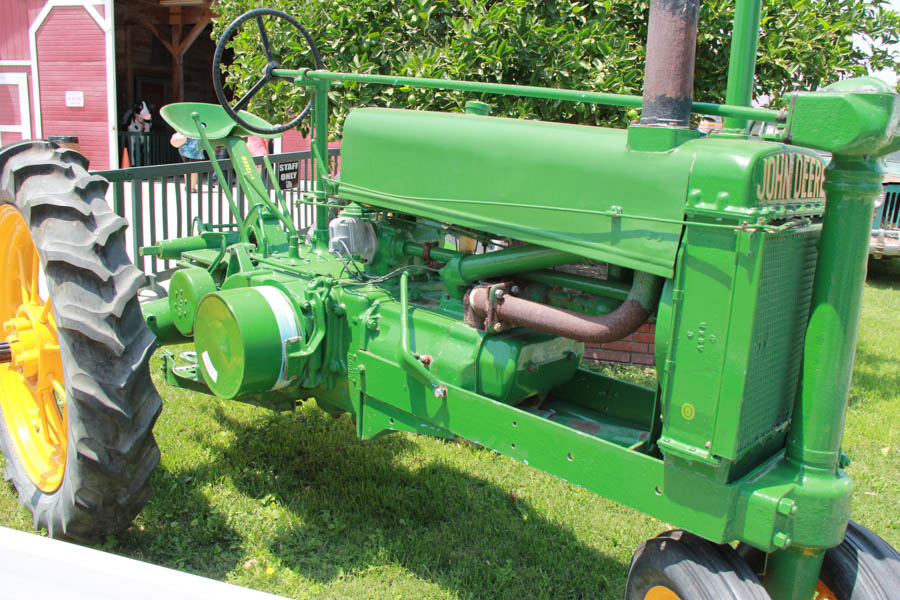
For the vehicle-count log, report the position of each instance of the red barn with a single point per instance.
(74, 67)
(57, 74)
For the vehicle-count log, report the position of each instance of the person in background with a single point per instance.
(257, 146)
(221, 154)
(190, 151)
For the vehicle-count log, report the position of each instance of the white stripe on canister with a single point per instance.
(287, 323)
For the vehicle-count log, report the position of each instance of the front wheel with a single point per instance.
(862, 567)
(77, 406)
(677, 565)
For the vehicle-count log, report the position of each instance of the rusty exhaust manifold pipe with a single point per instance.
(507, 309)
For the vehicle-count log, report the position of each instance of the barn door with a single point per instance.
(15, 116)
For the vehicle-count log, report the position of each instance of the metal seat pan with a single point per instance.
(217, 124)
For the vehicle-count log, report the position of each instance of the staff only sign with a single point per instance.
(288, 174)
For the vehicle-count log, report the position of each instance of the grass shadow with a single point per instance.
(876, 377)
(354, 506)
(179, 529)
(884, 273)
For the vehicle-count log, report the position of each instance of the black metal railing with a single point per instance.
(159, 203)
(147, 148)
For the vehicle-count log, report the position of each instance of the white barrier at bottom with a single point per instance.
(39, 567)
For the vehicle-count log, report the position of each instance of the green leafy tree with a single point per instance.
(589, 45)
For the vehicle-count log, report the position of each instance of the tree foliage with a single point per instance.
(589, 45)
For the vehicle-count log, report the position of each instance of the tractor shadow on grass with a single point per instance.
(876, 377)
(178, 527)
(884, 273)
(355, 506)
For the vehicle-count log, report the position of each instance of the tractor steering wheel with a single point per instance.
(271, 64)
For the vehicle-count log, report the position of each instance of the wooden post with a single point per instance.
(129, 66)
(177, 56)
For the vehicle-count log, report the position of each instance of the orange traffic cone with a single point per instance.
(126, 164)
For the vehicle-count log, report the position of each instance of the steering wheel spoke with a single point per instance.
(272, 62)
(264, 37)
(245, 99)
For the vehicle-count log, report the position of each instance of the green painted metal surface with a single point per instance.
(730, 383)
(853, 117)
(310, 77)
(186, 288)
(742, 61)
(763, 277)
(474, 171)
(239, 340)
(216, 124)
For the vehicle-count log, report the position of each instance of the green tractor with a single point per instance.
(754, 280)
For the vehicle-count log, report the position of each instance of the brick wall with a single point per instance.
(637, 348)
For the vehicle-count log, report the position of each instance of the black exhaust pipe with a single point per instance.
(669, 70)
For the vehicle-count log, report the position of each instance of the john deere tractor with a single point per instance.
(749, 251)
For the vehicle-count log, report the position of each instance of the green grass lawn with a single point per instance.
(293, 504)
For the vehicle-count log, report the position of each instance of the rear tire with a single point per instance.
(110, 403)
(677, 565)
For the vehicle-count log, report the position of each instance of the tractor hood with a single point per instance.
(574, 188)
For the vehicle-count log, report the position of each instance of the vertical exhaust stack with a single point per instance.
(669, 70)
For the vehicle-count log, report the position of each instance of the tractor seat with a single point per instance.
(216, 123)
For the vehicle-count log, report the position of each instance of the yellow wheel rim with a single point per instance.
(823, 593)
(32, 390)
(660, 592)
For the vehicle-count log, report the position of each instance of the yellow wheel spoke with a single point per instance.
(25, 296)
(823, 592)
(59, 389)
(35, 275)
(45, 313)
(60, 400)
(46, 420)
(53, 430)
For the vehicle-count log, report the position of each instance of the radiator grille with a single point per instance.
(890, 212)
(784, 294)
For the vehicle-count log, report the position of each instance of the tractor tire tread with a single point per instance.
(862, 567)
(111, 402)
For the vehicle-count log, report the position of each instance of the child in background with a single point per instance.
(190, 151)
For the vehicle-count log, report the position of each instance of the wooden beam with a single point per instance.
(149, 25)
(178, 45)
(193, 34)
